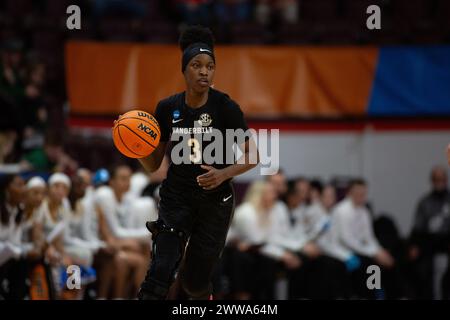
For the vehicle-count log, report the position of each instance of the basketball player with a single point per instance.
(197, 200)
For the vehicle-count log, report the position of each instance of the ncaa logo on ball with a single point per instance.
(176, 114)
(147, 130)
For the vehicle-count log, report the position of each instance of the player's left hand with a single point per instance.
(211, 179)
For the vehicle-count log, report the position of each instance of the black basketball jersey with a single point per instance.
(191, 126)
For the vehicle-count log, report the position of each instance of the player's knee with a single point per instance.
(196, 288)
(196, 275)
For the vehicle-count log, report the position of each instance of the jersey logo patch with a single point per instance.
(175, 121)
(205, 120)
(176, 114)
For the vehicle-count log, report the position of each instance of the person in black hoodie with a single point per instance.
(431, 233)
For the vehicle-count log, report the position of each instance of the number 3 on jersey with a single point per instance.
(196, 155)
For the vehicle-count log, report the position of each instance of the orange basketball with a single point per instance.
(136, 134)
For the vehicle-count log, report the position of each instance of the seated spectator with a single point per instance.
(9, 153)
(32, 224)
(430, 233)
(56, 214)
(11, 73)
(388, 235)
(316, 188)
(328, 277)
(33, 235)
(297, 235)
(279, 182)
(255, 257)
(85, 176)
(50, 158)
(355, 231)
(77, 242)
(7, 142)
(194, 12)
(35, 111)
(130, 243)
(232, 11)
(142, 209)
(13, 266)
(107, 259)
(287, 10)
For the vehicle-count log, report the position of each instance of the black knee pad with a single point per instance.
(168, 250)
(166, 256)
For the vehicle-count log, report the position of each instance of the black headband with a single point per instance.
(193, 50)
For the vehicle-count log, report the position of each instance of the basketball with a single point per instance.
(136, 134)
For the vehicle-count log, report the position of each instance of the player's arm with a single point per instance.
(248, 160)
(152, 162)
(214, 177)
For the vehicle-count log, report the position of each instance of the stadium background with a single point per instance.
(348, 101)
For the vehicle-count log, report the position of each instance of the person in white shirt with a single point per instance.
(296, 235)
(132, 245)
(33, 236)
(32, 224)
(86, 177)
(355, 231)
(78, 240)
(140, 208)
(256, 258)
(316, 188)
(56, 214)
(279, 182)
(106, 258)
(299, 236)
(56, 211)
(328, 278)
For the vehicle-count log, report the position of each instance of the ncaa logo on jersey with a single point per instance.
(205, 120)
(176, 114)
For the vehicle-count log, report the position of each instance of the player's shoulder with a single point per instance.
(224, 100)
(170, 102)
